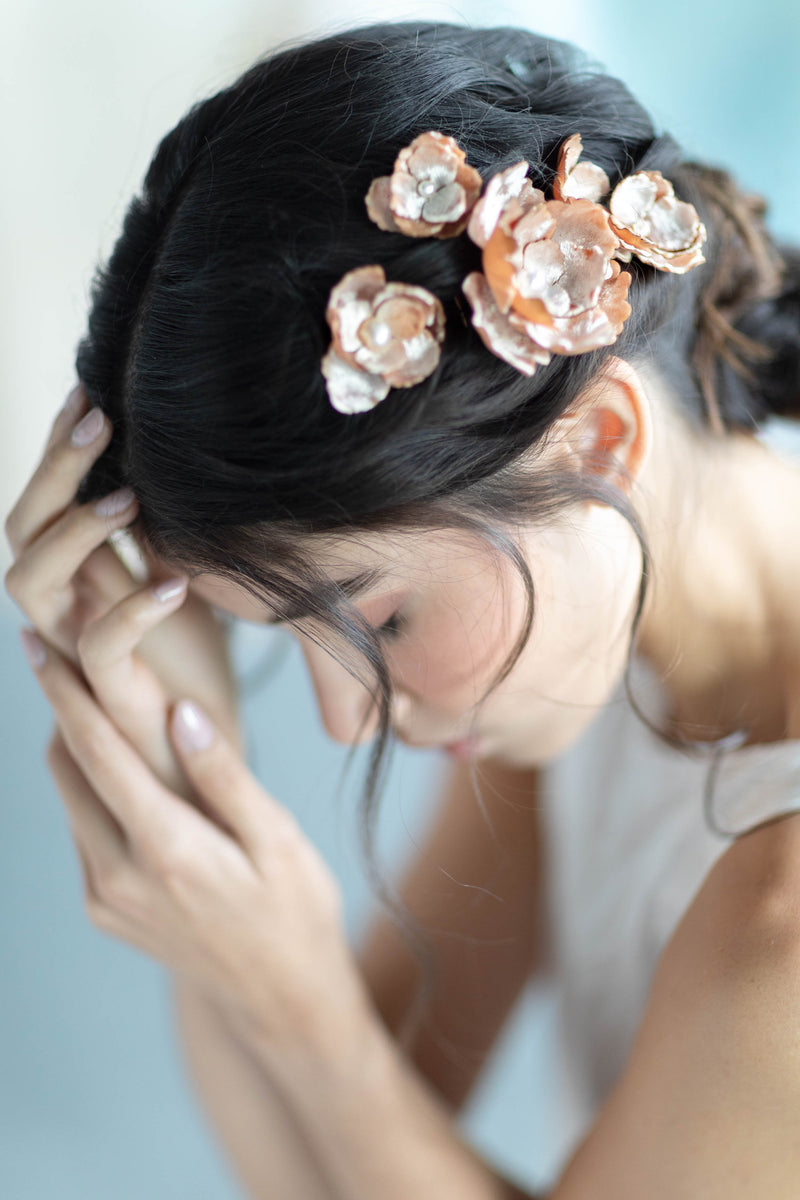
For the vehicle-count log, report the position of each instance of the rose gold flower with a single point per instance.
(664, 232)
(430, 191)
(384, 335)
(549, 266)
(578, 181)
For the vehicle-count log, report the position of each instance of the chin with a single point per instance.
(539, 747)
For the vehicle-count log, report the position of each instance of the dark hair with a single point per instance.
(207, 323)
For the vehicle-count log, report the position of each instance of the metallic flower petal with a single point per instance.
(499, 190)
(597, 326)
(662, 231)
(384, 335)
(497, 333)
(447, 204)
(351, 390)
(430, 192)
(578, 181)
(377, 201)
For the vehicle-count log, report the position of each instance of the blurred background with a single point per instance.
(93, 1099)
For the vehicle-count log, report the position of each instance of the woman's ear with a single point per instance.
(609, 430)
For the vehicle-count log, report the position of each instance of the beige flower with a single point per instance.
(384, 335)
(430, 191)
(578, 181)
(549, 268)
(648, 220)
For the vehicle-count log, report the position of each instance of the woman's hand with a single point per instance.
(68, 581)
(234, 897)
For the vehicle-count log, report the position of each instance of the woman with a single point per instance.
(472, 492)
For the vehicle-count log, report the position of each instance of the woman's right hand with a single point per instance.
(67, 580)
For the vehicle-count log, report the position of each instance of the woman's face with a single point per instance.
(457, 612)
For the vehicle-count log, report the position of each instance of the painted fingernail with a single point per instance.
(169, 589)
(115, 503)
(33, 647)
(90, 428)
(193, 729)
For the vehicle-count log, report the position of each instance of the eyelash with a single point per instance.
(392, 627)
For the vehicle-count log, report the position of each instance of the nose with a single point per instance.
(344, 703)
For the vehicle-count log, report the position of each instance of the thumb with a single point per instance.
(221, 778)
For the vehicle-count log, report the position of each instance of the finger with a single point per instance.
(100, 840)
(152, 817)
(225, 783)
(53, 485)
(125, 687)
(74, 407)
(105, 576)
(48, 565)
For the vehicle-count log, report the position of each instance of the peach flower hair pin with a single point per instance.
(551, 281)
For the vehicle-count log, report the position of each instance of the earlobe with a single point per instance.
(608, 431)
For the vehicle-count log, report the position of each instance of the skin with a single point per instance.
(720, 624)
(175, 878)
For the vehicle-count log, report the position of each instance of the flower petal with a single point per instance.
(650, 222)
(447, 204)
(430, 192)
(578, 181)
(597, 326)
(497, 333)
(384, 335)
(378, 200)
(500, 188)
(349, 389)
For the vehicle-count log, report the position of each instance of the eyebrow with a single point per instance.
(353, 586)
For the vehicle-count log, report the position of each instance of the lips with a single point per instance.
(463, 748)
(466, 748)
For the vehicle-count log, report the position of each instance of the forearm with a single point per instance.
(376, 1129)
(256, 1131)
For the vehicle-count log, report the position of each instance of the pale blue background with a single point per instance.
(93, 1102)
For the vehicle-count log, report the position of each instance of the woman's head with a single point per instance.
(207, 330)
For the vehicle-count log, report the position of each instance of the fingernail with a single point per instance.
(169, 589)
(115, 503)
(33, 647)
(90, 428)
(193, 730)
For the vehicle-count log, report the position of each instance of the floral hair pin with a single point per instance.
(551, 281)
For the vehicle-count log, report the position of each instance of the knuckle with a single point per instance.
(10, 525)
(99, 915)
(117, 890)
(89, 646)
(12, 581)
(174, 861)
(55, 750)
(59, 459)
(91, 742)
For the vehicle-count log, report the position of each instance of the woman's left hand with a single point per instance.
(235, 897)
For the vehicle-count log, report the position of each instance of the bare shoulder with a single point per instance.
(746, 913)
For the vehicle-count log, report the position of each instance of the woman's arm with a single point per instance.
(709, 1102)
(462, 880)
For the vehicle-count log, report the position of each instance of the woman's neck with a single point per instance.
(721, 625)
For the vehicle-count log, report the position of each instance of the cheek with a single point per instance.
(587, 582)
(457, 647)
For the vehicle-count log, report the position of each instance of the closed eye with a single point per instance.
(392, 627)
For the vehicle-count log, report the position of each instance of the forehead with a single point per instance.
(366, 565)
